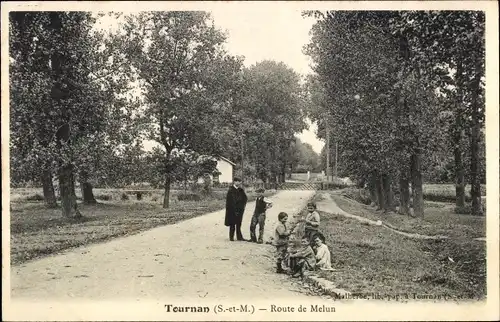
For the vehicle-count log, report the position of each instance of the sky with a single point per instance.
(276, 34)
(258, 33)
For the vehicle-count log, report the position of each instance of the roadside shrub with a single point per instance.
(203, 189)
(467, 210)
(154, 197)
(188, 197)
(442, 197)
(35, 197)
(58, 198)
(125, 196)
(434, 205)
(104, 197)
(359, 195)
(326, 185)
(221, 195)
(138, 195)
(196, 187)
(462, 210)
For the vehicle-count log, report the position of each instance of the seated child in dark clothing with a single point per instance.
(304, 258)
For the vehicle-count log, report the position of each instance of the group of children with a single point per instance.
(313, 253)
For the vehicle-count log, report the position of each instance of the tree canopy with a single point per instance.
(382, 77)
(95, 95)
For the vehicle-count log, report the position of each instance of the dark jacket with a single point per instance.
(236, 201)
(260, 206)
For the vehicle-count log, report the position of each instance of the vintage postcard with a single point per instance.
(233, 160)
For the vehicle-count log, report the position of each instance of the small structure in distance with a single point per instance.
(225, 168)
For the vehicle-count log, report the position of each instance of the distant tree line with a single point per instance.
(83, 100)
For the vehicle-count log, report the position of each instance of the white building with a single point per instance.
(225, 168)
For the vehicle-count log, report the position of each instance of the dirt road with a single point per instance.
(191, 263)
(191, 259)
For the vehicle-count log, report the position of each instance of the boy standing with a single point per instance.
(259, 216)
(311, 222)
(281, 235)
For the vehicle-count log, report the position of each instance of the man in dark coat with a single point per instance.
(236, 201)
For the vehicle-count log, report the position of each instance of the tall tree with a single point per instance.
(29, 66)
(274, 103)
(380, 113)
(66, 114)
(177, 56)
(452, 42)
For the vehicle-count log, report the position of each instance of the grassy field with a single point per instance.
(439, 219)
(37, 231)
(446, 192)
(373, 259)
(435, 196)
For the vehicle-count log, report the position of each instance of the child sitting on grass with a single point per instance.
(281, 236)
(323, 257)
(304, 258)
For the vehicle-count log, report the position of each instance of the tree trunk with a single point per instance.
(388, 193)
(476, 207)
(404, 194)
(263, 177)
(457, 142)
(166, 195)
(289, 175)
(459, 174)
(415, 159)
(416, 183)
(48, 189)
(283, 173)
(73, 186)
(58, 93)
(86, 189)
(273, 167)
(67, 190)
(380, 193)
(372, 185)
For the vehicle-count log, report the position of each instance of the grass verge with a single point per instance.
(37, 231)
(439, 219)
(374, 260)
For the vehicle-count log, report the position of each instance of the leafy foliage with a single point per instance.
(71, 110)
(381, 79)
(266, 115)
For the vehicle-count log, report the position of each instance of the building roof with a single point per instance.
(227, 160)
